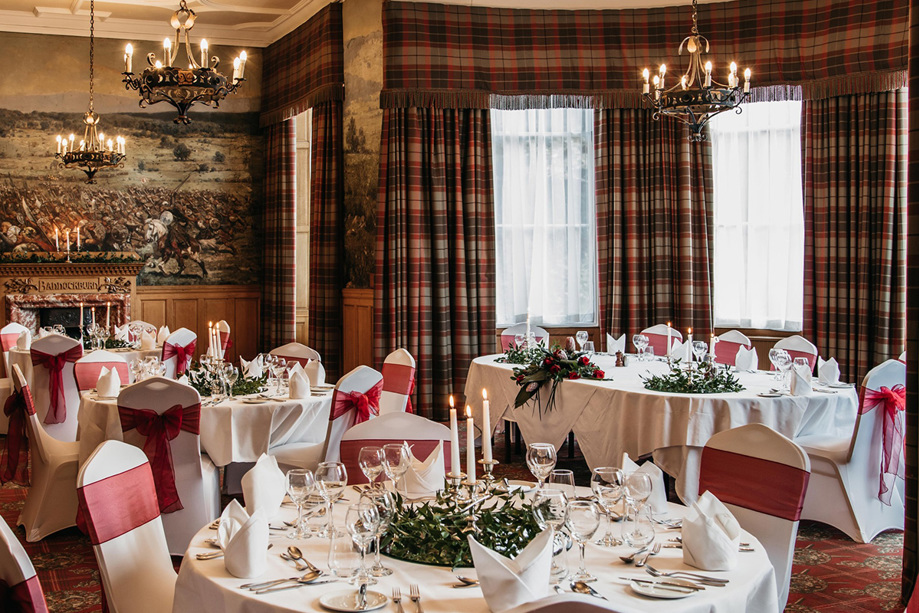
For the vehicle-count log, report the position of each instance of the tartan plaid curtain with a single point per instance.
(655, 225)
(435, 276)
(456, 56)
(278, 315)
(855, 150)
(325, 275)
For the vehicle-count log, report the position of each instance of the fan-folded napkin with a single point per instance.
(244, 540)
(427, 477)
(614, 345)
(109, 383)
(253, 368)
(658, 497)
(509, 583)
(800, 381)
(681, 351)
(162, 335)
(264, 486)
(746, 359)
(183, 379)
(24, 341)
(121, 333)
(827, 371)
(316, 372)
(42, 333)
(147, 341)
(711, 535)
(298, 384)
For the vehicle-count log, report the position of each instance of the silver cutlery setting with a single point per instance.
(644, 559)
(415, 596)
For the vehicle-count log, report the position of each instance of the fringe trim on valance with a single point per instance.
(540, 101)
(439, 99)
(848, 85)
(326, 93)
(774, 93)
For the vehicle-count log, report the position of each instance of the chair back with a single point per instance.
(509, 334)
(761, 476)
(180, 345)
(902, 357)
(561, 603)
(398, 382)
(296, 352)
(9, 334)
(798, 347)
(119, 511)
(728, 345)
(86, 370)
(137, 327)
(20, 590)
(421, 433)
(223, 331)
(54, 389)
(38, 440)
(657, 338)
(363, 380)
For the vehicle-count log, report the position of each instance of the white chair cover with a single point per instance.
(657, 338)
(421, 433)
(196, 478)
(86, 370)
(398, 382)
(9, 334)
(125, 530)
(562, 603)
(509, 334)
(52, 501)
(846, 472)
(728, 345)
(362, 380)
(799, 347)
(223, 332)
(296, 352)
(55, 344)
(183, 337)
(761, 477)
(21, 591)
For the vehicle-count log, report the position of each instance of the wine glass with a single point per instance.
(278, 366)
(331, 479)
(300, 484)
(231, 374)
(370, 459)
(699, 349)
(562, 479)
(776, 357)
(550, 510)
(518, 340)
(637, 488)
(636, 529)
(641, 342)
(589, 348)
(606, 483)
(583, 521)
(581, 337)
(541, 460)
(785, 364)
(363, 523)
(386, 507)
(396, 461)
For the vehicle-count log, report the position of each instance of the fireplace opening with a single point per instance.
(67, 317)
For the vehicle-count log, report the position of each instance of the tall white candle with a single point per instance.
(210, 338)
(128, 57)
(203, 53)
(92, 311)
(470, 446)
(108, 315)
(486, 428)
(67, 238)
(711, 346)
(57, 244)
(689, 341)
(669, 332)
(81, 319)
(455, 466)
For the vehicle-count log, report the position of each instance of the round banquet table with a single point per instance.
(23, 358)
(232, 431)
(205, 586)
(610, 418)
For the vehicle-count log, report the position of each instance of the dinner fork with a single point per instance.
(397, 598)
(643, 560)
(680, 573)
(415, 595)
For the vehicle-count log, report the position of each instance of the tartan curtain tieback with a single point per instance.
(182, 354)
(891, 401)
(57, 410)
(365, 404)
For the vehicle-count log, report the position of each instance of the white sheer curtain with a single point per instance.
(759, 217)
(545, 219)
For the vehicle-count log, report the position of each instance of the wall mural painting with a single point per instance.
(188, 198)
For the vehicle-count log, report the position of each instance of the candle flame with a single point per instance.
(468, 412)
(668, 324)
(484, 394)
(452, 403)
(690, 330)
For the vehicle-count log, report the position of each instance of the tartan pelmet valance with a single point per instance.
(304, 68)
(480, 57)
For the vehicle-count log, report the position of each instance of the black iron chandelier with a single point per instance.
(93, 152)
(696, 98)
(180, 87)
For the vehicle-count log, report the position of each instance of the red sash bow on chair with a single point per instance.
(159, 430)
(363, 404)
(183, 355)
(24, 597)
(400, 379)
(57, 410)
(14, 463)
(892, 401)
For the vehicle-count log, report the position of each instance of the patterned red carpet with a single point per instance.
(831, 573)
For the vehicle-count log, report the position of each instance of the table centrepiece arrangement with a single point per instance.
(704, 378)
(549, 366)
(212, 377)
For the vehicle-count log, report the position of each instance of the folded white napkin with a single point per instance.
(681, 351)
(827, 371)
(509, 583)
(42, 333)
(162, 335)
(711, 535)
(24, 341)
(296, 368)
(121, 333)
(299, 385)
(424, 478)
(183, 379)
(244, 540)
(658, 497)
(800, 381)
(746, 359)
(316, 372)
(252, 369)
(614, 345)
(264, 486)
(109, 383)
(147, 341)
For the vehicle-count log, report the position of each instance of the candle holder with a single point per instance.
(487, 476)
(455, 480)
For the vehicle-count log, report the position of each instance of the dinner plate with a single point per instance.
(322, 387)
(255, 400)
(840, 385)
(654, 591)
(769, 395)
(524, 486)
(347, 601)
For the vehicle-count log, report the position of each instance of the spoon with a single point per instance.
(260, 586)
(582, 588)
(297, 563)
(629, 559)
(296, 554)
(467, 580)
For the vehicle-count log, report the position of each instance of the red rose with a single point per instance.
(599, 374)
(547, 361)
(554, 369)
(583, 361)
(574, 375)
(520, 378)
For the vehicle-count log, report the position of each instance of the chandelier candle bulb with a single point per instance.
(203, 53)
(82, 145)
(167, 51)
(108, 315)
(58, 143)
(57, 244)
(242, 65)
(646, 74)
(746, 80)
(708, 74)
(470, 446)
(486, 427)
(128, 57)
(663, 72)
(683, 82)
(67, 239)
(454, 440)
(236, 63)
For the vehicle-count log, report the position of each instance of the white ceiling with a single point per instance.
(255, 23)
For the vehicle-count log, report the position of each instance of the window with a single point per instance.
(759, 217)
(304, 126)
(545, 220)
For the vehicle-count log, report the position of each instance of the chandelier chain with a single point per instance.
(92, 39)
(695, 18)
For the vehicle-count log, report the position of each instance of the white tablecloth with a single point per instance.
(24, 358)
(612, 417)
(232, 431)
(205, 586)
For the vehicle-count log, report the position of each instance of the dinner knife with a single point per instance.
(664, 585)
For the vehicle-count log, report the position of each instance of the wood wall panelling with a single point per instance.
(357, 328)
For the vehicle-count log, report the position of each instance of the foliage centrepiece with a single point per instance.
(706, 379)
(435, 532)
(552, 366)
(206, 382)
(75, 257)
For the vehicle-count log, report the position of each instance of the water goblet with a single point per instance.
(386, 507)
(562, 479)
(606, 483)
(775, 356)
(699, 349)
(396, 461)
(550, 510)
(636, 340)
(634, 529)
(785, 364)
(300, 484)
(637, 488)
(232, 376)
(331, 479)
(363, 523)
(583, 521)
(581, 338)
(278, 367)
(370, 459)
(589, 348)
(518, 340)
(541, 459)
